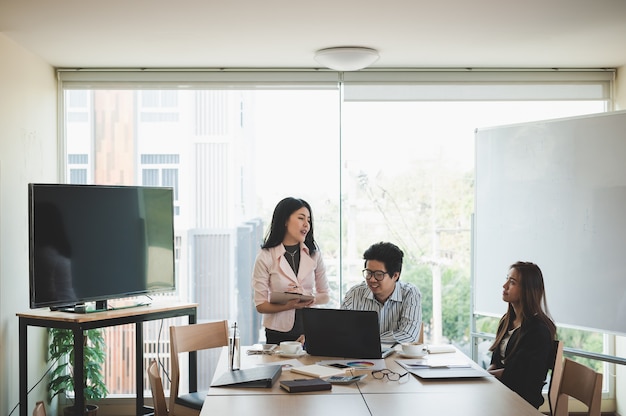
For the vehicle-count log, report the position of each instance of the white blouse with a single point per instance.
(505, 342)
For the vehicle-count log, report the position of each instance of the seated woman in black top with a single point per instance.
(524, 341)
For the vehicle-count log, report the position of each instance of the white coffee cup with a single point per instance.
(290, 347)
(414, 350)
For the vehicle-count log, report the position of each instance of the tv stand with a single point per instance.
(78, 308)
(80, 322)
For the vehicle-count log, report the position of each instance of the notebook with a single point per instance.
(341, 333)
(262, 376)
(306, 384)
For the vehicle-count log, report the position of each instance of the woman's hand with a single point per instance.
(497, 373)
(302, 305)
(267, 307)
(292, 304)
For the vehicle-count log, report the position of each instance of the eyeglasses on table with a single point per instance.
(390, 375)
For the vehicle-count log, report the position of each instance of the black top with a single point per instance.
(525, 370)
(292, 254)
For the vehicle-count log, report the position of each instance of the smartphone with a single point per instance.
(338, 365)
(262, 349)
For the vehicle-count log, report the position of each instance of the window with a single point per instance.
(161, 170)
(377, 160)
(78, 168)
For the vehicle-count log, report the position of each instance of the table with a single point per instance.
(79, 322)
(469, 397)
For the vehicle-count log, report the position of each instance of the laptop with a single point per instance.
(342, 333)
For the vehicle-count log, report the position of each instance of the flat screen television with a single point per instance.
(95, 243)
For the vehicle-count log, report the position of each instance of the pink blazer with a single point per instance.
(272, 273)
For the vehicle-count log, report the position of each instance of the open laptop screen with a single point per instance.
(341, 333)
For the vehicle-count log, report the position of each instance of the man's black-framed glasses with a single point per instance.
(390, 375)
(378, 274)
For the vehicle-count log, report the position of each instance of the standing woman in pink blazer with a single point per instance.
(289, 261)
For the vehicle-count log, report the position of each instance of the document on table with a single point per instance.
(437, 361)
(440, 348)
(443, 368)
(286, 364)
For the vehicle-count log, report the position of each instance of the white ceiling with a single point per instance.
(286, 33)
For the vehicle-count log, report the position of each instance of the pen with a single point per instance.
(232, 358)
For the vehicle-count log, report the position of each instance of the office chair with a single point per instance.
(156, 386)
(582, 383)
(40, 409)
(186, 338)
(556, 375)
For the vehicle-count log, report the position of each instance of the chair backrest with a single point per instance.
(40, 409)
(156, 386)
(582, 383)
(556, 373)
(194, 337)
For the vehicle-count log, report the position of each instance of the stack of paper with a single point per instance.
(437, 361)
(315, 370)
(440, 348)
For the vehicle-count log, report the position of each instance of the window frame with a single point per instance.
(367, 85)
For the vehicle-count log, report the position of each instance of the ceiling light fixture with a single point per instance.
(346, 58)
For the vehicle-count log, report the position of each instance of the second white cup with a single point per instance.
(290, 347)
(414, 350)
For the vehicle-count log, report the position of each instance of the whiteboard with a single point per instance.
(554, 193)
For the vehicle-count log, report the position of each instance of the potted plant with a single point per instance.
(61, 351)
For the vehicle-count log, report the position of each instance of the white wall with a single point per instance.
(28, 148)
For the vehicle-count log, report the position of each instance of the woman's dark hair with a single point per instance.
(278, 228)
(533, 300)
(387, 253)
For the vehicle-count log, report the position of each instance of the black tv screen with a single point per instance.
(95, 243)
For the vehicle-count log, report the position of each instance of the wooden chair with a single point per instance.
(556, 373)
(40, 409)
(582, 383)
(156, 386)
(186, 338)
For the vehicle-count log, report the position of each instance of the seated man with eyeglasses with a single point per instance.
(399, 304)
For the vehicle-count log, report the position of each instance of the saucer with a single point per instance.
(405, 355)
(285, 355)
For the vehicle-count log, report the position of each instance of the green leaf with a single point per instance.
(61, 351)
